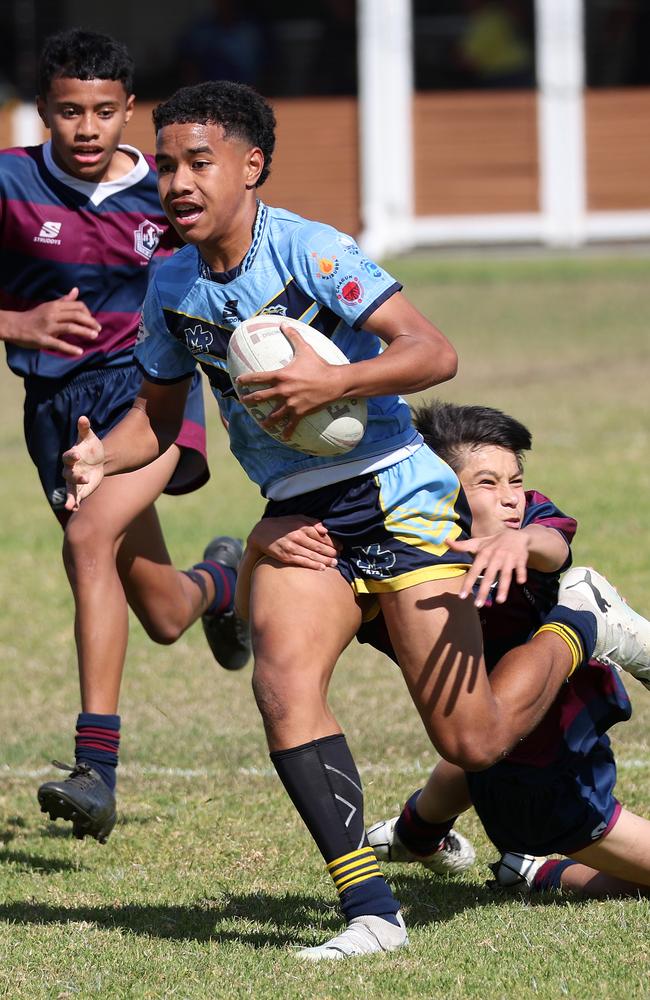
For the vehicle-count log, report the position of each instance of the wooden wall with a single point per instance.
(315, 170)
(618, 149)
(475, 153)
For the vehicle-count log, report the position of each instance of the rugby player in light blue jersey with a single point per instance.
(81, 230)
(393, 506)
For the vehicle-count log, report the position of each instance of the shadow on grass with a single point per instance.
(290, 919)
(288, 915)
(37, 863)
(430, 900)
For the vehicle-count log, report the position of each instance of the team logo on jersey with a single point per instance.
(146, 239)
(350, 289)
(49, 234)
(230, 314)
(348, 244)
(274, 311)
(370, 268)
(326, 267)
(197, 339)
(374, 561)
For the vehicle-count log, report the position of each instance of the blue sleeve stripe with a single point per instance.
(386, 294)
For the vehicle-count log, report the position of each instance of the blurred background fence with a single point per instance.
(405, 123)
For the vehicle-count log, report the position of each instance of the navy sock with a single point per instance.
(417, 834)
(576, 628)
(324, 785)
(224, 579)
(97, 743)
(549, 876)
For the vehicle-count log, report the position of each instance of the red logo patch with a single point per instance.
(350, 289)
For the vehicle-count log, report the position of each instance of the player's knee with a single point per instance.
(273, 707)
(83, 547)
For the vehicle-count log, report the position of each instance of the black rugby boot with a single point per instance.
(228, 635)
(84, 798)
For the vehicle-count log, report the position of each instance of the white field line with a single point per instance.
(368, 771)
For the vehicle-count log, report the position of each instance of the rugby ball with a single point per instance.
(258, 345)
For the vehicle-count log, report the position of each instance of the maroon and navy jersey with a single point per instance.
(58, 232)
(593, 699)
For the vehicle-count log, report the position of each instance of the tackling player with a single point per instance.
(81, 230)
(393, 505)
(553, 792)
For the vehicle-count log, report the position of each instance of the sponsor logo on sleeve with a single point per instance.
(371, 268)
(348, 244)
(350, 290)
(326, 267)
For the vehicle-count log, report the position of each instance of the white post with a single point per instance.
(560, 75)
(385, 123)
(26, 125)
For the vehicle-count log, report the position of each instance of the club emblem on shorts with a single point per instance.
(146, 239)
(197, 339)
(374, 561)
(598, 831)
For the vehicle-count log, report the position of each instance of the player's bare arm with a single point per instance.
(148, 429)
(510, 553)
(43, 327)
(417, 357)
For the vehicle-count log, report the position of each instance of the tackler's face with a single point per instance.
(206, 181)
(494, 485)
(86, 119)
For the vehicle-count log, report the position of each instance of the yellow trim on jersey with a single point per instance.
(441, 571)
(570, 637)
(203, 319)
(277, 296)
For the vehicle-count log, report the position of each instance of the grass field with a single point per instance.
(209, 877)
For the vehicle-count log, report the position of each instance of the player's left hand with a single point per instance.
(83, 465)
(496, 557)
(303, 386)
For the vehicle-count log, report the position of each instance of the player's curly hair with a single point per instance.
(240, 110)
(84, 55)
(451, 431)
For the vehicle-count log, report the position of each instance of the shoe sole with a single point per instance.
(59, 806)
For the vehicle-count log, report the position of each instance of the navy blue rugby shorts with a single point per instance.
(394, 524)
(105, 395)
(558, 809)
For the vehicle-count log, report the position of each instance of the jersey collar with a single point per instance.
(249, 259)
(97, 193)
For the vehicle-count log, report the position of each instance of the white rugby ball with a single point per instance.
(258, 345)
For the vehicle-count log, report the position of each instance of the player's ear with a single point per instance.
(254, 166)
(41, 107)
(130, 102)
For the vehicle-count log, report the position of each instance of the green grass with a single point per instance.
(209, 877)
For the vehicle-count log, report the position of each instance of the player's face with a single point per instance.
(207, 188)
(86, 119)
(494, 486)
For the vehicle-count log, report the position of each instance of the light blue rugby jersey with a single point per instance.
(295, 268)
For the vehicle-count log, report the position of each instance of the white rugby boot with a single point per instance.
(455, 855)
(366, 935)
(516, 871)
(622, 635)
